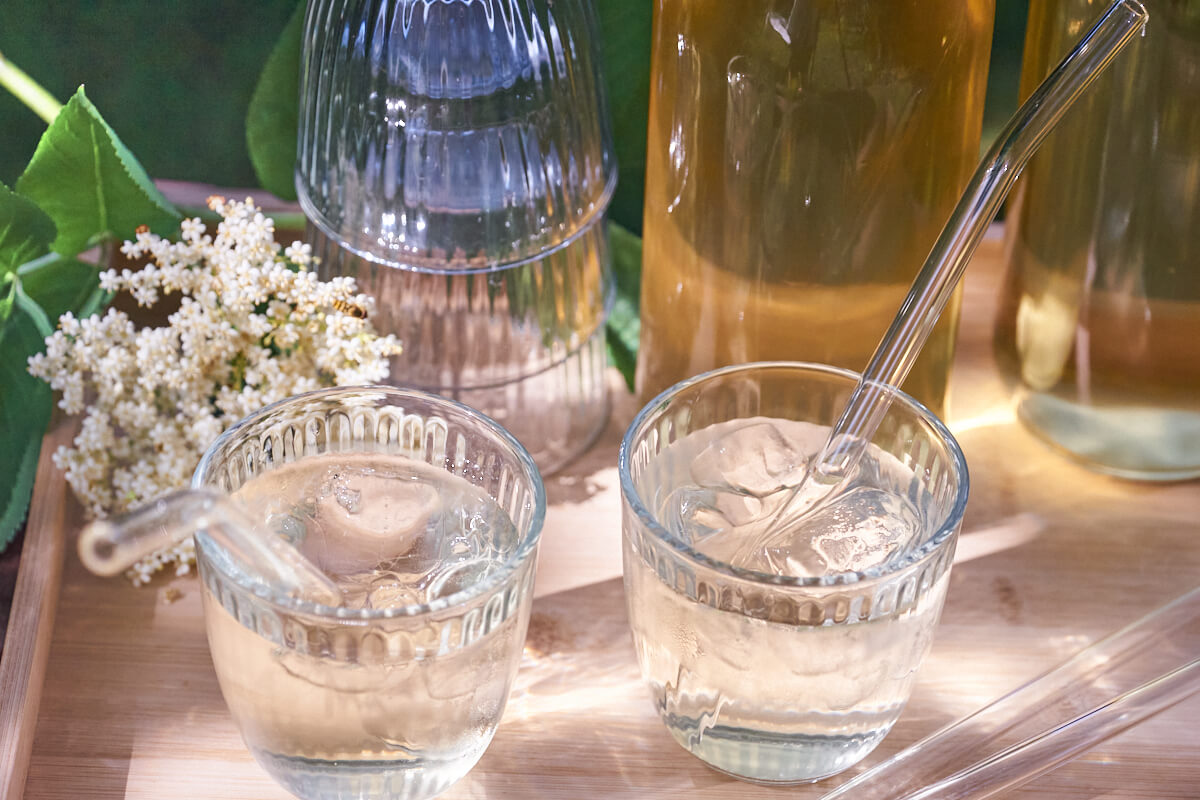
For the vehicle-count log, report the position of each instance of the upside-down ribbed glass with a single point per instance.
(773, 678)
(455, 158)
(395, 702)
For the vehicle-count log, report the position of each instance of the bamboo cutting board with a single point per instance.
(1051, 558)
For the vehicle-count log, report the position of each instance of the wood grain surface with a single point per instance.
(1051, 558)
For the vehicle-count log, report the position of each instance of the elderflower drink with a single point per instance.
(782, 653)
(430, 536)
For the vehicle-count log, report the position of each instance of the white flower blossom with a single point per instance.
(254, 325)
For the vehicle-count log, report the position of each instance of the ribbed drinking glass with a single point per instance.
(427, 516)
(455, 158)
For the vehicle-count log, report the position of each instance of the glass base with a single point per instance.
(319, 779)
(556, 414)
(1134, 442)
(523, 344)
(771, 758)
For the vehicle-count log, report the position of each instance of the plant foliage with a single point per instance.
(81, 189)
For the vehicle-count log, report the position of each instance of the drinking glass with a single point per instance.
(388, 700)
(802, 158)
(455, 157)
(770, 677)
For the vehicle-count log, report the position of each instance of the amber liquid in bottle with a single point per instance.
(1099, 326)
(802, 158)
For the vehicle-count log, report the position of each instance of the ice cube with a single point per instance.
(862, 528)
(464, 530)
(756, 459)
(366, 520)
(693, 513)
(381, 589)
(457, 576)
(394, 590)
(349, 499)
(288, 527)
(867, 527)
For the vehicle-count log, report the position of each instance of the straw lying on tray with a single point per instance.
(1128, 676)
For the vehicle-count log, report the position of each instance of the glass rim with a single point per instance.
(496, 580)
(590, 224)
(632, 498)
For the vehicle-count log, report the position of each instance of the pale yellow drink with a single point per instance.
(343, 703)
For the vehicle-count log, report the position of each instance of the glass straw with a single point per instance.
(1130, 675)
(110, 546)
(897, 351)
(1044, 752)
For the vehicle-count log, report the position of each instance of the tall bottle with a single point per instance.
(1099, 327)
(455, 157)
(802, 157)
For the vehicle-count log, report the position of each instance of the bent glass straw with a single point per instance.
(110, 546)
(1156, 656)
(933, 286)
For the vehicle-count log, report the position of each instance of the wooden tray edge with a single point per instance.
(31, 620)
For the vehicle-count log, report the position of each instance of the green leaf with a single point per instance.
(621, 336)
(59, 284)
(627, 262)
(25, 406)
(624, 322)
(25, 230)
(273, 118)
(625, 29)
(90, 184)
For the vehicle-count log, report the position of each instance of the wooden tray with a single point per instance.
(1051, 558)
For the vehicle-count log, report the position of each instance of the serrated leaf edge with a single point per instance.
(125, 159)
(133, 169)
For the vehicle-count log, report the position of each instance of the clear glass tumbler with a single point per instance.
(770, 677)
(455, 157)
(384, 697)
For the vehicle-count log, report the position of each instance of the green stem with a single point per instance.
(28, 91)
(284, 220)
(287, 221)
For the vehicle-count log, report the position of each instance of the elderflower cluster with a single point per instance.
(254, 325)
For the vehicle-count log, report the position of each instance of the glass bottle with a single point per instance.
(1099, 326)
(802, 157)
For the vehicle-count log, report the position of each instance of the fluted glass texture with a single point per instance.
(439, 135)
(768, 677)
(397, 701)
(455, 158)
